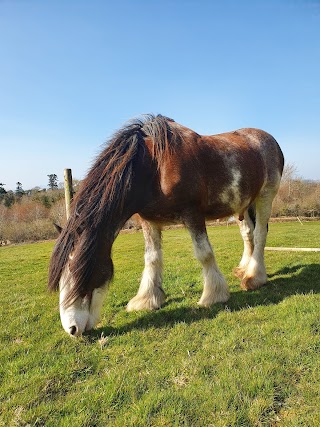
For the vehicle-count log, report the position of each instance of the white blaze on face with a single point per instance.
(84, 313)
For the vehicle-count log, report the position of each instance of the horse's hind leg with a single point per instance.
(255, 274)
(215, 287)
(246, 230)
(150, 295)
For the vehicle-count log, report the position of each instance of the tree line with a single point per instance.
(29, 215)
(8, 198)
(296, 196)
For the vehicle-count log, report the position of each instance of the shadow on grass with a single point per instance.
(299, 279)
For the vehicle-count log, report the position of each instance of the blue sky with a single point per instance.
(72, 72)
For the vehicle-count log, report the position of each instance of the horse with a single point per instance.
(165, 173)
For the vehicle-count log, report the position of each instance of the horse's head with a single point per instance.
(83, 312)
(82, 283)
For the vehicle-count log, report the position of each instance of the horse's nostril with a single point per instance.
(73, 330)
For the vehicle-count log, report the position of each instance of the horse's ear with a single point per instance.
(58, 228)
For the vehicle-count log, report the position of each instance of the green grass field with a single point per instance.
(252, 362)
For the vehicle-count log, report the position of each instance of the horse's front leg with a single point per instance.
(150, 295)
(215, 288)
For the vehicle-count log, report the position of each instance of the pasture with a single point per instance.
(254, 361)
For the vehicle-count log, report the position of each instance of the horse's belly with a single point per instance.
(218, 211)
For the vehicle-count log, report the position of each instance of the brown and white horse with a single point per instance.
(166, 173)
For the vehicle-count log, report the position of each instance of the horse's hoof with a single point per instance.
(140, 303)
(239, 272)
(251, 284)
(222, 297)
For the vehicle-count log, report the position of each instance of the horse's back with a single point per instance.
(217, 175)
(249, 148)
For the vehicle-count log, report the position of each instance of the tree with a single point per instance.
(19, 191)
(2, 191)
(53, 181)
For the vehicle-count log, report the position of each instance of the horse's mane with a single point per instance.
(101, 196)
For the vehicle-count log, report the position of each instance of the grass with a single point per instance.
(252, 362)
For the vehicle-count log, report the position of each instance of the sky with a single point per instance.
(73, 72)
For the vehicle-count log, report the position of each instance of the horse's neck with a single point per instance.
(134, 198)
(115, 222)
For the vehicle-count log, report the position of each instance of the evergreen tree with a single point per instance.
(19, 191)
(2, 191)
(53, 181)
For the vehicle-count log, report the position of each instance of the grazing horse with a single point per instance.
(165, 173)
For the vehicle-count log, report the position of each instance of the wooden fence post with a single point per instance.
(68, 191)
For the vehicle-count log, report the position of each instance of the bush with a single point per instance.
(40, 229)
(297, 197)
(31, 219)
